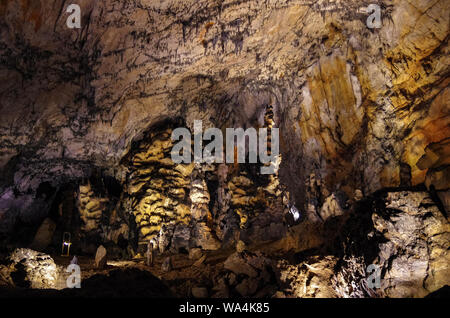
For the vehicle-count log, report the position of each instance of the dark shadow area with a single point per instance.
(443, 292)
(124, 283)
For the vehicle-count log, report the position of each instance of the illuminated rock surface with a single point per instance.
(87, 115)
(32, 269)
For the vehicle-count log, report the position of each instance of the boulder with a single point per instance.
(5, 276)
(406, 237)
(311, 278)
(415, 257)
(200, 261)
(33, 269)
(165, 237)
(180, 238)
(100, 257)
(202, 236)
(74, 260)
(44, 235)
(199, 292)
(221, 289)
(195, 253)
(331, 207)
(240, 246)
(167, 265)
(232, 279)
(238, 265)
(257, 260)
(247, 287)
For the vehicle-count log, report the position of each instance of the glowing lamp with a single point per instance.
(66, 243)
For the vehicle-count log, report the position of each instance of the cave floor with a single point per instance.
(133, 277)
(183, 275)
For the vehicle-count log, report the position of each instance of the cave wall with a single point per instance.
(193, 205)
(359, 109)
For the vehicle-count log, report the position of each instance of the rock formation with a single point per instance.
(87, 114)
(32, 269)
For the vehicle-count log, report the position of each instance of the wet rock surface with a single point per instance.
(351, 111)
(415, 259)
(363, 172)
(44, 235)
(407, 237)
(32, 269)
(101, 257)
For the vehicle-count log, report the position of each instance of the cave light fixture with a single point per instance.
(66, 243)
